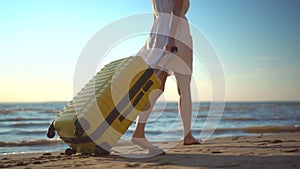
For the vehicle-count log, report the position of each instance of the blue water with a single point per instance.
(23, 126)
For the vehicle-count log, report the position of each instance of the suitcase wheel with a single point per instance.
(51, 133)
(70, 151)
(100, 151)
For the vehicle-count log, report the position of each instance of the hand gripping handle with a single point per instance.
(174, 50)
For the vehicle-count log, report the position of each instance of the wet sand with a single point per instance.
(265, 151)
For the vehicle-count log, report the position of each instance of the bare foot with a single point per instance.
(143, 143)
(191, 140)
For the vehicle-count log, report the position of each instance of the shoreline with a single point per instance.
(280, 150)
(55, 143)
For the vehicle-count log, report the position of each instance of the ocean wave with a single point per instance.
(29, 143)
(23, 132)
(240, 119)
(15, 110)
(150, 132)
(239, 108)
(5, 132)
(23, 119)
(51, 111)
(28, 124)
(32, 132)
(245, 118)
(3, 111)
(175, 110)
(254, 119)
(201, 116)
(201, 109)
(279, 118)
(165, 110)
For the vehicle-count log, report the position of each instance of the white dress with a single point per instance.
(153, 51)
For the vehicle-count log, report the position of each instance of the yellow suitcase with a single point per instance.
(103, 110)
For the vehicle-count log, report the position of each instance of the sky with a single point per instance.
(257, 41)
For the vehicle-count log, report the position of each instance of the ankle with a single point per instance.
(136, 135)
(188, 136)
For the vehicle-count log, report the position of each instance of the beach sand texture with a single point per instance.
(265, 151)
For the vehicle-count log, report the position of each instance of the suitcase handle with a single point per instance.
(174, 50)
(140, 95)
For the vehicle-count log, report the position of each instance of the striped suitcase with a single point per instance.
(103, 110)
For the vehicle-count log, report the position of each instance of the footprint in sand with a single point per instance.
(290, 150)
(216, 152)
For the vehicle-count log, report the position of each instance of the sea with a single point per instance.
(23, 126)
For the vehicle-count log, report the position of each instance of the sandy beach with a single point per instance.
(264, 151)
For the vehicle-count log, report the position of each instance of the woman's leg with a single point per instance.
(185, 107)
(138, 136)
